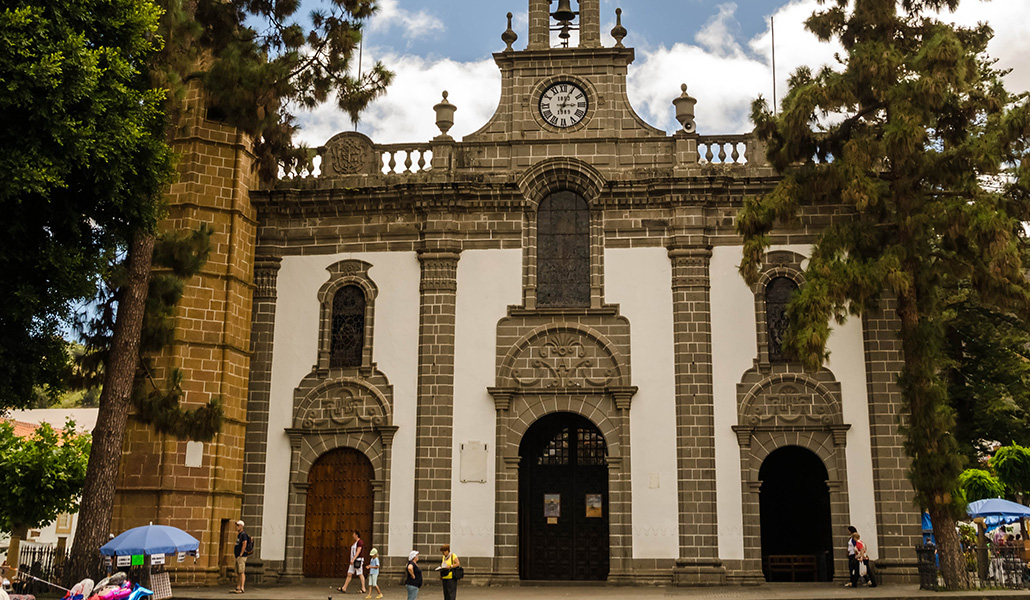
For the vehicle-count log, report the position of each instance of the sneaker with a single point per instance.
(379, 596)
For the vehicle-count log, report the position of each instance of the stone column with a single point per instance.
(506, 488)
(898, 522)
(590, 23)
(539, 25)
(255, 444)
(434, 425)
(698, 563)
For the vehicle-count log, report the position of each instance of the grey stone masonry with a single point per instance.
(698, 561)
(435, 413)
(897, 519)
(255, 445)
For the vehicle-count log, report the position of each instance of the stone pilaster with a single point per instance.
(435, 424)
(589, 23)
(897, 520)
(255, 445)
(698, 563)
(539, 25)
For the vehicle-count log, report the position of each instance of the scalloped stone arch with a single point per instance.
(816, 442)
(801, 380)
(505, 377)
(561, 174)
(308, 401)
(780, 263)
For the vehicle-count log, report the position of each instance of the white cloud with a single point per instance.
(724, 74)
(414, 24)
(405, 113)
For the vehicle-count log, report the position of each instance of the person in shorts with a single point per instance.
(357, 563)
(244, 546)
(373, 574)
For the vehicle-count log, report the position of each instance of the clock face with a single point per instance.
(563, 104)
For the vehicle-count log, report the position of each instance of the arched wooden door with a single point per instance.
(340, 500)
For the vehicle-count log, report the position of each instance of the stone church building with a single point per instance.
(531, 343)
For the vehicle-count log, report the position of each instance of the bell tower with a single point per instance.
(541, 14)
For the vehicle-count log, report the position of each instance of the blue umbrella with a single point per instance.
(150, 539)
(997, 511)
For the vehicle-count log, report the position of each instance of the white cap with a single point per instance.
(240, 523)
(412, 555)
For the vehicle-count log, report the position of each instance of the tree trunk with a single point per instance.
(918, 387)
(97, 505)
(949, 548)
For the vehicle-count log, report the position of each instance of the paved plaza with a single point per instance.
(785, 591)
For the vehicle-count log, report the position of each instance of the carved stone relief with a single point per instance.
(788, 404)
(347, 153)
(341, 407)
(562, 361)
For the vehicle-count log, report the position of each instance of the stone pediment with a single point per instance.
(563, 358)
(790, 400)
(342, 404)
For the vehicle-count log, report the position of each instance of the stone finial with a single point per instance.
(509, 36)
(445, 115)
(619, 32)
(685, 110)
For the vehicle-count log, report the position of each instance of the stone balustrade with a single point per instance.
(723, 149)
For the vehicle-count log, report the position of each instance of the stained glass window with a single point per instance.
(348, 327)
(777, 295)
(563, 251)
(590, 448)
(556, 452)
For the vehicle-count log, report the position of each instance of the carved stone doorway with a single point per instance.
(794, 502)
(563, 500)
(340, 499)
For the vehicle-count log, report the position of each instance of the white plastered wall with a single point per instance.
(295, 351)
(639, 280)
(734, 348)
(488, 282)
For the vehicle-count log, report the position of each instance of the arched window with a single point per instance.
(348, 327)
(777, 294)
(563, 251)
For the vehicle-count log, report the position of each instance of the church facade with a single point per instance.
(533, 344)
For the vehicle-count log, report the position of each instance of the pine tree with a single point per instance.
(915, 138)
(252, 78)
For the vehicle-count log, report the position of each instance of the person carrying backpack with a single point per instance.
(244, 548)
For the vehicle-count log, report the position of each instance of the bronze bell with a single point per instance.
(564, 14)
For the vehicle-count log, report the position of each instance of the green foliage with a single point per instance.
(82, 164)
(978, 484)
(41, 476)
(178, 256)
(988, 375)
(1012, 464)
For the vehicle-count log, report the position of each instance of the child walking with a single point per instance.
(373, 574)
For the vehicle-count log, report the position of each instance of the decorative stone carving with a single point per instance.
(348, 153)
(266, 271)
(439, 270)
(341, 407)
(562, 361)
(790, 404)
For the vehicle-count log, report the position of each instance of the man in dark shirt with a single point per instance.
(244, 546)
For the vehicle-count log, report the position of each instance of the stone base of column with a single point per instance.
(693, 572)
(902, 571)
(745, 578)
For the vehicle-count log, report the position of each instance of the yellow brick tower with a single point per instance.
(162, 479)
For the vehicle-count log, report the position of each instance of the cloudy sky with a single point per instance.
(721, 50)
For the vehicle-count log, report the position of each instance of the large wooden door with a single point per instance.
(340, 500)
(563, 501)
